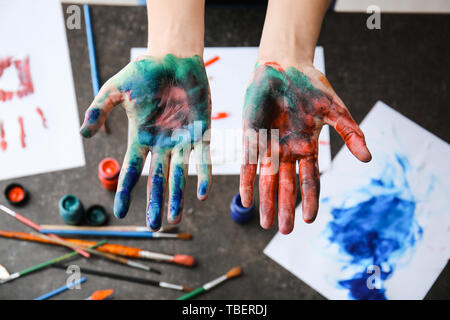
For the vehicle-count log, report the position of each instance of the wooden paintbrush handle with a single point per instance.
(110, 248)
(23, 236)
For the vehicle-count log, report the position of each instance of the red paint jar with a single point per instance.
(16, 194)
(108, 173)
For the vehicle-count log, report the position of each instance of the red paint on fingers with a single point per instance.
(287, 194)
(348, 129)
(310, 187)
(268, 184)
(246, 185)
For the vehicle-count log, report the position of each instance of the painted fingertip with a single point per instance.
(121, 204)
(174, 218)
(286, 229)
(246, 196)
(286, 222)
(174, 212)
(153, 218)
(266, 223)
(309, 220)
(85, 131)
(202, 192)
(360, 150)
(367, 156)
(309, 215)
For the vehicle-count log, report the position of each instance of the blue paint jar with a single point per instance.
(96, 215)
(238, 212)
(71, 209)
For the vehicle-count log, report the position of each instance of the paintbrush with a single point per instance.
(116, 276)
(105, 255)
(100, 294)
(113, 233)
(235, 272)
(45, 264)
(116, 249)
(35, 226)
(107, 228)
(60, 289)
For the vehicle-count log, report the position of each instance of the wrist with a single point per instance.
(176, 27)
(291, 29)
(286, 52)
(174, 41)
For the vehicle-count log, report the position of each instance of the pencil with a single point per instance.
(131, 252)
(35, 226)
(16, 275)
(117, 276)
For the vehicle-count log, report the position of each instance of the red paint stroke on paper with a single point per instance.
(211, 61)
(3, 143)
(23, 72)
(22, 132)
(5, 63)
(41, 114)
(220, 115)
(26, 84)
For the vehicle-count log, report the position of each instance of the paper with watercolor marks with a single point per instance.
(38, 113)
(382, 231)
(229, 70)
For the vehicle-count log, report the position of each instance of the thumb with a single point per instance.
(95, 116)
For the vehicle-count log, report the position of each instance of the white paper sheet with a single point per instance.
(35, 30)
(413, 166)
(228, 79)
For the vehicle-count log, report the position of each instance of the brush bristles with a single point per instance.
(235, 272)
(184, 236)
(101, 294)
(186, 289)
(184, 260)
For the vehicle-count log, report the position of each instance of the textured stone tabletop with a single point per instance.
(405, 64)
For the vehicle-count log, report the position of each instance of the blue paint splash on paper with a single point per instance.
(378, 230)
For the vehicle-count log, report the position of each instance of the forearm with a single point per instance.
(176, 27)
(291, 30)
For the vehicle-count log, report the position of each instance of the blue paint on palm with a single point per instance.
(377, 231)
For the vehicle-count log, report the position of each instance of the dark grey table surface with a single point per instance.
(405, 64)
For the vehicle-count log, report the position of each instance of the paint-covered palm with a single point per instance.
(291, 105)
(168, 105)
